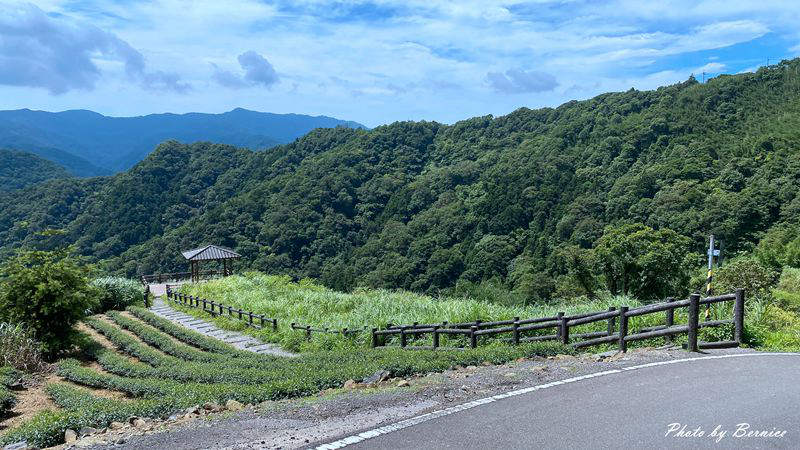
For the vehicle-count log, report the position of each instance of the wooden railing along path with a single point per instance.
(519, 330)
(172, 277)
(219, 309)
(563, 325)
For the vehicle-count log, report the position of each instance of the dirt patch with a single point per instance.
(30, 401)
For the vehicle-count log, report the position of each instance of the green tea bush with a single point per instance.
(117, 293)
(168, 345)
(188, 336)
(7, 398)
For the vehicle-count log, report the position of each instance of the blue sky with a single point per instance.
(371, 61)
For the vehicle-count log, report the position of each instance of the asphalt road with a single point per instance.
(632, 409)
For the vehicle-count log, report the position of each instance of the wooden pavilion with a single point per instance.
(210, 253)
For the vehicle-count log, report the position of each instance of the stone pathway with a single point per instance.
(238, 340)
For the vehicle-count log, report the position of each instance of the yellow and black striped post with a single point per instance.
(710, 275)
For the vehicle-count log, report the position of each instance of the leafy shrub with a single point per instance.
(746, 273)
(790, 280)
(117, 293)
(646, 263)
(7, 398)
(48, 291)
(19, 349)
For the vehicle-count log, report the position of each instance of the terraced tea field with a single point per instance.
(135, 363)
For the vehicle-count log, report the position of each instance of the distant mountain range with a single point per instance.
(87, 143)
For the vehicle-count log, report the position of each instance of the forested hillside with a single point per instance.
(113, 144)
(513, 200)
(20, 169)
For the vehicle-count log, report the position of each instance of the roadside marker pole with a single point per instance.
(710, 276)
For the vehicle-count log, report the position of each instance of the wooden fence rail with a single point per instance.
(617, 328)
(178, 276)
(308, 330)
(259, 321)
(617, 321)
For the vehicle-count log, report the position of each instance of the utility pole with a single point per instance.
(704, 77)
(712, 252)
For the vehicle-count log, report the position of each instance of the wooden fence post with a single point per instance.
(436, 336)
(374, 338)
(623, 328)
(612, 321)
(694, 317)
(564, 330)
(560, 317)
(274, 324)
(473, 338)
(516, 331)
(738, 317)
(308, 332)
(403, 337)
(670, 318)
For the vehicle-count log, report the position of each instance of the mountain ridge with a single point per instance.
(72, 138)
(423, 206)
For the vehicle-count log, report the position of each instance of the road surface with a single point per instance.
(643, 407)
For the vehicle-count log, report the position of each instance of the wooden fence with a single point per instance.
(308, 330)
(562, 325)
(519, 330)
(259, 321)
(178, 276)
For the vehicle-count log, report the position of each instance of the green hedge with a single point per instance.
(192, 337)
(7, 398)
(118, 293)
(168, 345)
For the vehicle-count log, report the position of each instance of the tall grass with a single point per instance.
(307, 303)
(311, 304)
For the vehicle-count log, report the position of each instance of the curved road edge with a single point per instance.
(387, 429)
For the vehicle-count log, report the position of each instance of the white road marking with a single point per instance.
(386, 429)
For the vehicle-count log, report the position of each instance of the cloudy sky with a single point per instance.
(371, 61)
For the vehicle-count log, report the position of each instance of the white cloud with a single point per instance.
(413, 59)
(40, 51)
(712, 67)
(516, 81)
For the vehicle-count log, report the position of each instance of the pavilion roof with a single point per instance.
(210, 252)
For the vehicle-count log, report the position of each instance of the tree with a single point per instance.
(49, 292)
(646, 263)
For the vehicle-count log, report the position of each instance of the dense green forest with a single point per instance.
(531, 201)
(21, 169)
